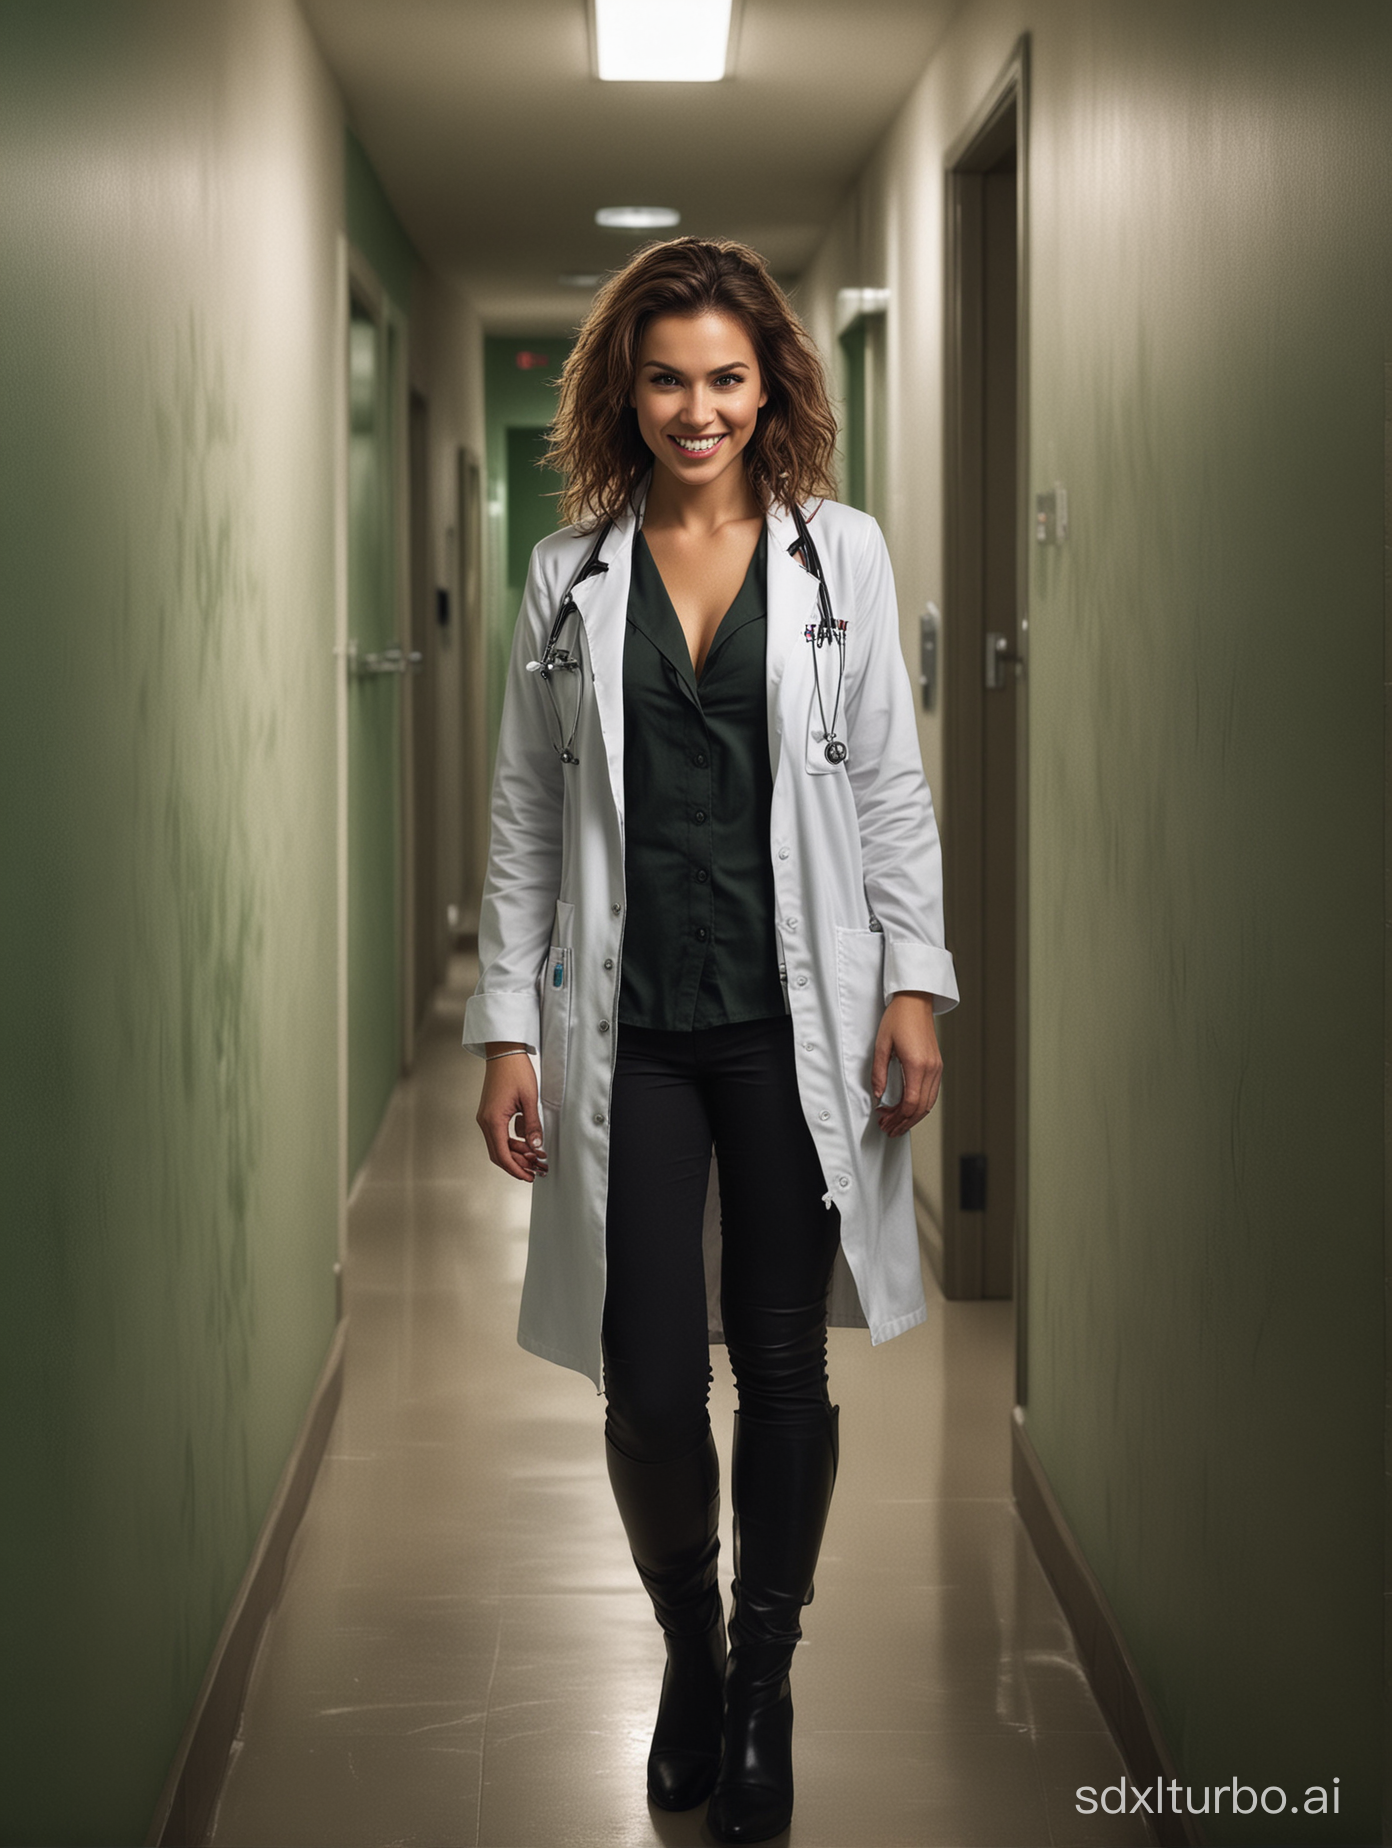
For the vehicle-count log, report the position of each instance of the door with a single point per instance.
(985, 713)
(375, 662)
(473, 684)
(427, 913)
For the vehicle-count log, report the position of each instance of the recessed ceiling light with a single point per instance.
(637, 217)
(661, 41)
(580, 279)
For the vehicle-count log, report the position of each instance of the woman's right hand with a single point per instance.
(510, 1091)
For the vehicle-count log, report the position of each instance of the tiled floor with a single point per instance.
(462, 1655)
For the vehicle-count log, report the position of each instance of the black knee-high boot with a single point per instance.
(781, 1486)
(671, 1514)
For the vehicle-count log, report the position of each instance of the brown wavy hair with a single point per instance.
(595, 440)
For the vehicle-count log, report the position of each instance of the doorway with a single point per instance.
(373, 897)
(426, 926)
(983, 1244)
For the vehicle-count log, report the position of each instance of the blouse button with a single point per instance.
(700, 814)
(701, 934)
(699, 760)
(701, 875)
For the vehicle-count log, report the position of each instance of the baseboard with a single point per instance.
(1107, 1662)
(191, 1790)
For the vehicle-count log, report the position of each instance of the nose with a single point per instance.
(696, 406)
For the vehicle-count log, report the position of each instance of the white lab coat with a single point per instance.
(858, 891)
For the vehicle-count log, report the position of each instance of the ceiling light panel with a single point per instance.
(637, 217)
(662, 41)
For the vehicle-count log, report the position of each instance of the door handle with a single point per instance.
(391, 660)
(998, 656)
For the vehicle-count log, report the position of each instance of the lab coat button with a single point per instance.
(843, 1180)
(616, 909)
(802, 981)
(608, 962)
(826, 1116)
(782, 853)
(599, 1117)
(790, 923)
(604, 1026)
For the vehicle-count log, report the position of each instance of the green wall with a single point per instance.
(516, 400)
(167, 938)
(1210, 208)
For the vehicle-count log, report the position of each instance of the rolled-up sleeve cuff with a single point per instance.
(922, 967)
(505, 1014)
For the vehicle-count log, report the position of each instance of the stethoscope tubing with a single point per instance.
(827, 633)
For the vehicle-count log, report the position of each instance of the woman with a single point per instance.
(713, 908)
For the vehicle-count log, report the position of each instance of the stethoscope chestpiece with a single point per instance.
(835, 752)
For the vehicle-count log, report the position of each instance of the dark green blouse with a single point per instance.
(699, 948)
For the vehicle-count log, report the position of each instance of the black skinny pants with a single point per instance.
(674, 1094)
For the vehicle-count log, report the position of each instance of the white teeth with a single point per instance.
(698, 445)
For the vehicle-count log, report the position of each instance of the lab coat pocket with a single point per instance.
(860, 959)
(555, 1011)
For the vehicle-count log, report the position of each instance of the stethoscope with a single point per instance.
(827, 632)
(556, 659)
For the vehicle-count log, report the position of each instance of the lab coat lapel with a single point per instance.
(602, 601)
(792, 603)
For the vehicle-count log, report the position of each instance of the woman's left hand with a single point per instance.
(907, 1032)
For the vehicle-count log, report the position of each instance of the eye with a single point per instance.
(662, 378)
(730, 378)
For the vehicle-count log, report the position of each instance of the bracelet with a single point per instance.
(513, 1052)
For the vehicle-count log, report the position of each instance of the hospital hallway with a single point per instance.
(462, 1656)
(299, 1547)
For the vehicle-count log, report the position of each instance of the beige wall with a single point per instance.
(1208, 315)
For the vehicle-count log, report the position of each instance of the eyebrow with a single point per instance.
(734, 365)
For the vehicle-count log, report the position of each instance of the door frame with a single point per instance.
(356, 278)
(972, 151)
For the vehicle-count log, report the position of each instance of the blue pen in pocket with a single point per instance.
(558, 973)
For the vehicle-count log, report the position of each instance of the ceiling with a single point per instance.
(497, 144)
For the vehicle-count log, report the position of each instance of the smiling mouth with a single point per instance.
(698, 445)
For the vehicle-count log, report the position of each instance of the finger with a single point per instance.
(532, 1160)
(494, 1124)
(531, 1127)
(502, 1154)
(921, 1086)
